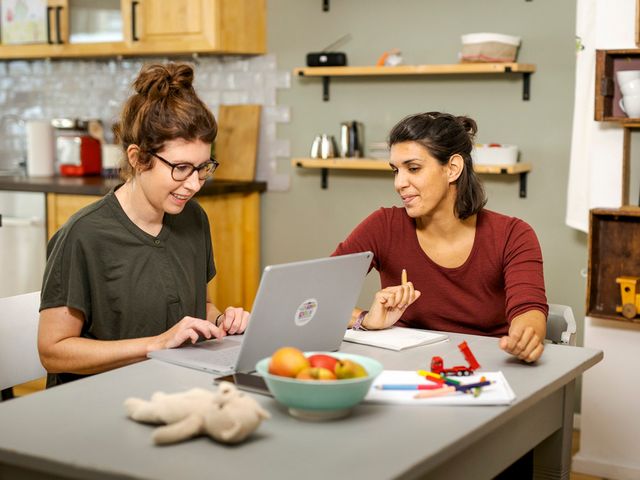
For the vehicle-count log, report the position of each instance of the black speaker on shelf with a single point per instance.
(326, 59)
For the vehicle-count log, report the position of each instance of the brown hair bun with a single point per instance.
(157, 81)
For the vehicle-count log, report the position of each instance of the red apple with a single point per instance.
(287, 362)
(324, 361)
(349, 369)
(316, 373)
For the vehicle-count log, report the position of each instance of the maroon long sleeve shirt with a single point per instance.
(501, 279)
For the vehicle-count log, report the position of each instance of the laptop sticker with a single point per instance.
(305, 312)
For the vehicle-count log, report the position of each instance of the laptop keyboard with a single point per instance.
(223, 353)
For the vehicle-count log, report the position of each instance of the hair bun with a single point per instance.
(469, 125)
(158, 81)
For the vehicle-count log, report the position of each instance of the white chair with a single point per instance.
(561, 325)
(19, 359)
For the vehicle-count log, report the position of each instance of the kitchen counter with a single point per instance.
(101, 186)
(233, 208)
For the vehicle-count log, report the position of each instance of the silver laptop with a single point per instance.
(302, 304)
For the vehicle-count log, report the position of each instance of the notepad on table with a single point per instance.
(394, 338)
(498, 393)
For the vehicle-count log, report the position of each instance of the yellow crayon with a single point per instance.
(404, 277)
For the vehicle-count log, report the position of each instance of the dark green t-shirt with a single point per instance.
(127, 283)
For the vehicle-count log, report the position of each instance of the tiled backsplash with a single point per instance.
(45, 89)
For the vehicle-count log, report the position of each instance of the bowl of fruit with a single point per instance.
(318, 385)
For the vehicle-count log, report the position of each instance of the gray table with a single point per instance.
(80, 430)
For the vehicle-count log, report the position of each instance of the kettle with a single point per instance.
(352, 139)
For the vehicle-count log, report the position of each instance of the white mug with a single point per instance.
(625, 76)
(631, 106)
(630, 88)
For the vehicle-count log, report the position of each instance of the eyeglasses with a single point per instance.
(181, 171)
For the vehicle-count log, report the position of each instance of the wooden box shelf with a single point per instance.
(614, 251)
(607, 94)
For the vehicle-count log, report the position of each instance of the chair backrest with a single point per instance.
(19, 359)
(561, 325)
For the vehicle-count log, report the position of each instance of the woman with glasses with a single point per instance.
(128, 274)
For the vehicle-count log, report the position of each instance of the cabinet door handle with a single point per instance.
(49, 41)
(58, 33)
(134, 9)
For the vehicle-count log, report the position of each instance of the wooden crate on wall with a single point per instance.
(607, 94)
(614, 251)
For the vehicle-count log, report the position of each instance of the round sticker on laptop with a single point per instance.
(306, 311)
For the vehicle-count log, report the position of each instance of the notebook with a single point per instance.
(498, 393)
(304, 304)
(394, 338)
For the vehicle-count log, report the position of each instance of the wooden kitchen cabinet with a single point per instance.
(159, 27)
(235, 232)
(185, 26)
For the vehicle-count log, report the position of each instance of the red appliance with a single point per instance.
(79, 156)
(77, 153)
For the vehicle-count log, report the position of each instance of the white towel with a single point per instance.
(595, 172)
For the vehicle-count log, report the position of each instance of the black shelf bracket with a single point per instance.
(324, 176)
(526, 86)
(325, 5)
(523, 184)
(325, 88)
(526, 83)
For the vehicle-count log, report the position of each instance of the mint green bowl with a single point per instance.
(321, 399)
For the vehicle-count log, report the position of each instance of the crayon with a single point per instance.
(407, 387)
(435, 393)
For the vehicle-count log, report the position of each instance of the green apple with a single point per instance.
(349, 369)
(316, 373)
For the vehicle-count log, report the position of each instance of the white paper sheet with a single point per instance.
(395, 338)
(498, 393)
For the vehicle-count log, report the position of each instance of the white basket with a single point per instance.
(496, 154)
(489, 47)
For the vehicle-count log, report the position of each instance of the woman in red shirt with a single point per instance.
(472, 270)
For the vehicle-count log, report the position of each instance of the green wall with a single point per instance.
(307, 221)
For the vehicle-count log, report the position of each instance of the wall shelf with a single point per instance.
(524, 69)
(325, 5)
(521, 169)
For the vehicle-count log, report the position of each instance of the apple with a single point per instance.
(287, 362)
(349, 369)
(324, 361)
(316, 373)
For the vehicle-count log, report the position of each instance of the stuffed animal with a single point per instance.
(228, 415)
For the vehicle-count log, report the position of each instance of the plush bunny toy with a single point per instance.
(228, 416)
